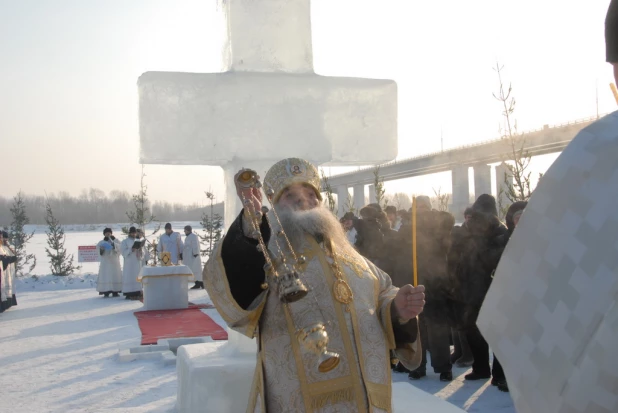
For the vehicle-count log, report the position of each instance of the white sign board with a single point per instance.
(87, 253)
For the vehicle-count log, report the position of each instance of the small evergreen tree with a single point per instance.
(330, 199)
(141, 215)
(378, 183)
(349, 204)
(18, 237)
(212, 224)
(60, 262)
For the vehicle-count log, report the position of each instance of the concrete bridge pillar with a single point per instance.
(503, 178)
(372, 194)
(342, 199)
(461, 190)
(482, 180)
(359, 196)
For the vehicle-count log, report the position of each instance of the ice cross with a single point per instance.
(268, 104)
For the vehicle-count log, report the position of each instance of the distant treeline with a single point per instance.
(94, 206)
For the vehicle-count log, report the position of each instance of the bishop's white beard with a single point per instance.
(317, 222)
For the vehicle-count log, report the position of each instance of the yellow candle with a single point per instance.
(614, 90)
(414, 267)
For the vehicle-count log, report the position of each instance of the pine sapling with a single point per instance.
(18, 237)
(60, 262)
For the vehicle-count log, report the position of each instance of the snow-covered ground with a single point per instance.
(59, 346)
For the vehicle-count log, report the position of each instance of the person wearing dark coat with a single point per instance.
(370, 237)
(480, 248)
(433, 241)
(512, 218)
(462, 355)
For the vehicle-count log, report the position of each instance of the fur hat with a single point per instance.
(347, 216)
(486, 204)
(288, 172)
(423, 201)
(517, 207)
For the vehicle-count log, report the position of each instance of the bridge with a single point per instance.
(541, 141)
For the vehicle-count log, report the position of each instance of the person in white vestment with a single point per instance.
(191, 256)
(172, 243)
(7, 273)
(110, 273)
(135, 257)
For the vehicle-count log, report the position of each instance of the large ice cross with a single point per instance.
(267, 105)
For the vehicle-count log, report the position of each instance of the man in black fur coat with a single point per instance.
(479, 248)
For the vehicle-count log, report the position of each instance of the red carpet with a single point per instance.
(190, 322)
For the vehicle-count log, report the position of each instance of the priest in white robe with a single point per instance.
(135, 257)
(7, 273)
(172, 243)
(354, 302)
(109, 280)
(192, 257)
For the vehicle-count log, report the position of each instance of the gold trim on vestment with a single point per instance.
(370, 387)
(257, 387)
(300, 368)
(339, 310)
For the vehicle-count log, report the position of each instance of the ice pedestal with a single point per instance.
(216, 377)
(166, 288)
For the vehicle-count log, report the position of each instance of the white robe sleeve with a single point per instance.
(126, 248)
(196, 245)
(179, 243)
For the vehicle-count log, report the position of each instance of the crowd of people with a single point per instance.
(455, 263)
(114, 279)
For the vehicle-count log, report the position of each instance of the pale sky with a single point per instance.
(68, 73)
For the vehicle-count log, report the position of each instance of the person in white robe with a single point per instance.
(172, 243)
(191, 256)
(109, 280)
(7, 273)
(135, 257)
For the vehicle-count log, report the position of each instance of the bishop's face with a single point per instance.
(299, 197)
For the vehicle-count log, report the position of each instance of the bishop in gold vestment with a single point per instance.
(363, 327)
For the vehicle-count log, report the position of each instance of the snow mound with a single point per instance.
(55, 282)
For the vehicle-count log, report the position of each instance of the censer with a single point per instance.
(286, 275)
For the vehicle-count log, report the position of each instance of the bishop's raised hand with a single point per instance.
(410, 301)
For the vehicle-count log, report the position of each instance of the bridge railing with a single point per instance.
(471, 145)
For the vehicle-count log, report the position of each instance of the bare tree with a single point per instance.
(399, 200)
(517, 180)
(440, 200)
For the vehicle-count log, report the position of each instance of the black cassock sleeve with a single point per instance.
(244, 264)
(6, 260)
